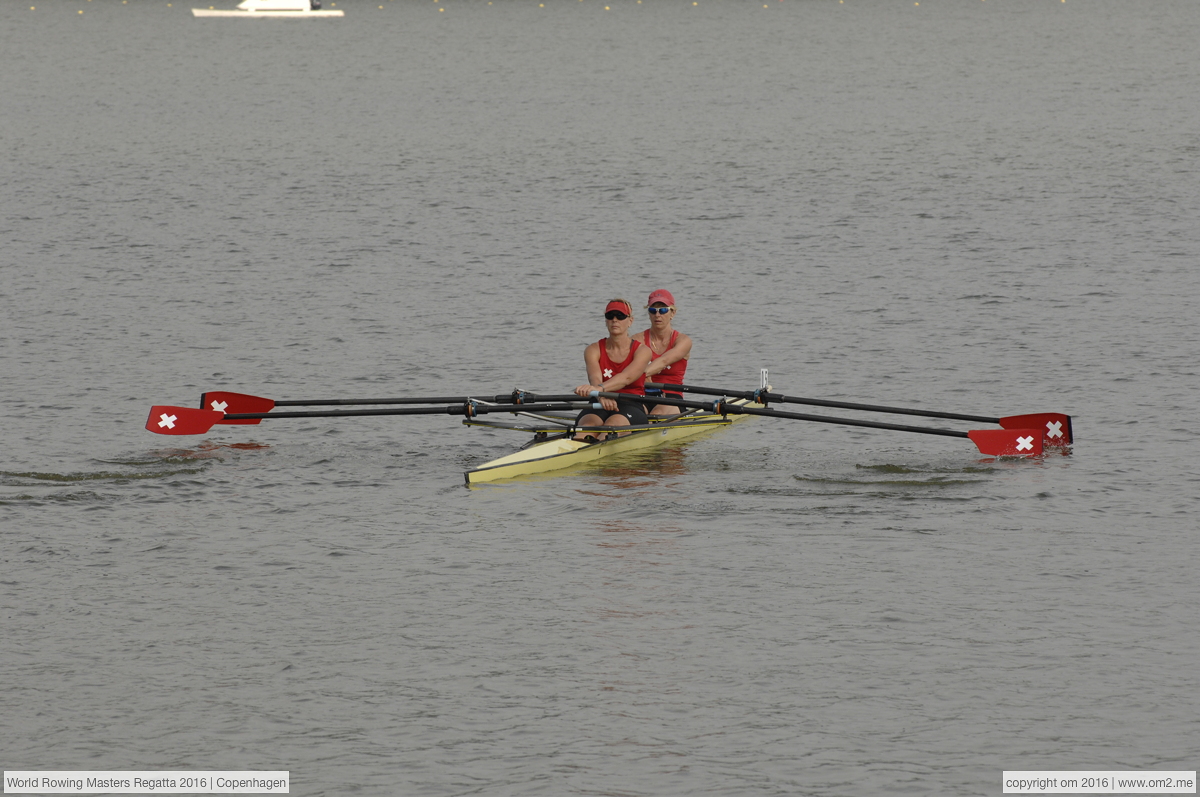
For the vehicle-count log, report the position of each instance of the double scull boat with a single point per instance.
(554, 448)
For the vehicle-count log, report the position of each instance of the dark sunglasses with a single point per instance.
(617, 314)
(659, 310)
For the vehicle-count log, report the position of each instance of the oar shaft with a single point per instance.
(800, 416)
(506, 398)
(724, 407)
(843, 405)
(460, 409)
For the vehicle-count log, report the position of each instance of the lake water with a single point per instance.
(987, 207)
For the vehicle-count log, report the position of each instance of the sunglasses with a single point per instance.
(615, 314)
(659, 310)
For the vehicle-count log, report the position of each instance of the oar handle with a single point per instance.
(764, 396)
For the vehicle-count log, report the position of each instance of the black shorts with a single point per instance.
(631, 408)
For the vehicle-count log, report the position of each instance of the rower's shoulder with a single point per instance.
(679, 338)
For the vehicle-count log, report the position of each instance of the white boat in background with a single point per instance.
(271, 9)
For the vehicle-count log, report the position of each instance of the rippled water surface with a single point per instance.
(984, 207)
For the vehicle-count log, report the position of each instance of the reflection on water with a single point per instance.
(205, 450)
(637, 596)
(641, 470)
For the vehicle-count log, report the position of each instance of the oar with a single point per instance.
(186, 420)
(242, 403)
(1055, 427)
(993, 442)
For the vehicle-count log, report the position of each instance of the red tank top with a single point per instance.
(673, 373)
(609, 369)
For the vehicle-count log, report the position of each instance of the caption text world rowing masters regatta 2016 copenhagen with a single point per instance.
(147, 782)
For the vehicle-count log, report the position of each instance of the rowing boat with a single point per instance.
(271, 9)
(556, 453)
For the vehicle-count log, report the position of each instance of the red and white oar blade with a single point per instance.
(224, 401)
(1007, 442)
(1056, 427)
(181, 420)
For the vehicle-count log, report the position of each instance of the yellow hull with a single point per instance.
(563, 453)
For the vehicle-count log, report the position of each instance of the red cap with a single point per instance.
(619, 305)
(661, 295)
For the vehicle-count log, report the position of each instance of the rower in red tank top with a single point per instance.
(615, 364)
(670, 349)
(608, 367)
(671, 374)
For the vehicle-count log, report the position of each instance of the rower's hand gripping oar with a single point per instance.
(244, 404)
(1055, 427)
(186, 420)
(993, 442)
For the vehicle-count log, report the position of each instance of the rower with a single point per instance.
(615, 364)
(670, 351)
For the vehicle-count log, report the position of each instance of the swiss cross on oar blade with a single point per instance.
(225, 402)
(1007, 442)
(1054, 427)
(181, 420)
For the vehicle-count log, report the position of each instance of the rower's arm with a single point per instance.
(641, 359)
(680, 351)
(591, 359)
